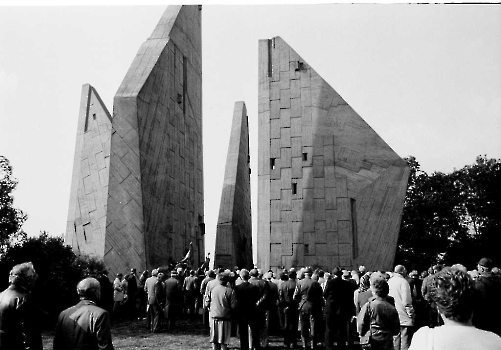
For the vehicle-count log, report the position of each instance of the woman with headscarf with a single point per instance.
(362, 294)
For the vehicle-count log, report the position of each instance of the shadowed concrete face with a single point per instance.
(330, 190)
(234, 228)
(154, 205)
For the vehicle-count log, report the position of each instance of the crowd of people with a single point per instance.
(443, 308)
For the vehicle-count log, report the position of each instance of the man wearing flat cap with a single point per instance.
(487, 307)
(18, 327)
(85, 325)
(339, 308)
(173, 299)
(247, 296)
(262, 310)
(309, 295)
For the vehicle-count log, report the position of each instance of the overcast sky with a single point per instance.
(426, 78)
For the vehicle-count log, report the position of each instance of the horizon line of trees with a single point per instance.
(447, 218)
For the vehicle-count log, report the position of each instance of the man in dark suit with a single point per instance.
(262, 310)
(290, 306)
(130, 304)
(309, 295)
(173, 300)
(339, 309)
(85, 325)
(247, 296)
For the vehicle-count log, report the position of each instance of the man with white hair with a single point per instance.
(18, 326)
(400, 290)
(85, 325)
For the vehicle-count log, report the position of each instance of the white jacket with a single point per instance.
(401, 292)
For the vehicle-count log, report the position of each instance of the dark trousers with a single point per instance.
(291, 315)
(336, 326)
(248, 328)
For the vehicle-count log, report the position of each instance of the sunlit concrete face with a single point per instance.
(330, 190)
(86, 225)
(154, 204)
(234, 229)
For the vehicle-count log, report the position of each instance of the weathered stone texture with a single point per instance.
(154, 205)
(156, 172)
(234, 228)
(86, 225)
(330, 190)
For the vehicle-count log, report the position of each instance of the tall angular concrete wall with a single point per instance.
(86, 225)
(331, 191)
(154, 205)
(234, 228)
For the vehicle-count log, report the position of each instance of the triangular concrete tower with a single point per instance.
(155, 196)
(86, 225)
(234, 227)
(330, 190)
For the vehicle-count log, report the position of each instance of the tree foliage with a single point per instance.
(11, 219)
(450, 218)
(58, 268)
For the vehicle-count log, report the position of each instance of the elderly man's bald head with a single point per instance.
(89, 289)
(400, 269)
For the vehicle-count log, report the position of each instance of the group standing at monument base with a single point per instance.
(311, 309)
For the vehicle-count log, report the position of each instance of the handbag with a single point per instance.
(365, 340)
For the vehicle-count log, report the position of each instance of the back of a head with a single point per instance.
(453, 291)
(224, 277)
(23, 275)
(254, 273)
(486, 264)
(89, 289)
(399, 269)
(244, 274)
(154, 272)
(379, 285)
(337, 272)
(437, 268)
(292, 274)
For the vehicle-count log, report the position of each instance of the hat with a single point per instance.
(173, 273)
(346, 273)
(486, 262)
(308, 270)
(253, 273)
(337, 272)
(267, 276)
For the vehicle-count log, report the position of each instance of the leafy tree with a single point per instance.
(11, 219)
(450, 218)
(58, 268)
(480, 185)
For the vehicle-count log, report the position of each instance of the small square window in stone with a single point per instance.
(305, 156)
(272, 163)
(294, 188)
(306, 249)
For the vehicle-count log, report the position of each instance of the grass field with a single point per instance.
(188, 335)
